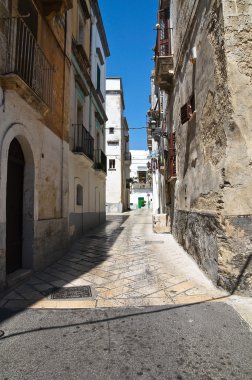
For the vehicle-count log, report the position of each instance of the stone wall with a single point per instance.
(212, 217)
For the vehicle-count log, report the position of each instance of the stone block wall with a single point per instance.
(212, 218)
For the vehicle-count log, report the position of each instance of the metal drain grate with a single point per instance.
(71, 292)
(154, 242)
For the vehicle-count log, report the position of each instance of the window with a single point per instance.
(187, 110)
(81, 27)
(112, 164)
(113, 143)
(111, 131)
(79, 115)
(79, 195)
(98, 78)
(141, 176)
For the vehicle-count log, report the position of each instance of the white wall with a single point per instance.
(116, 178)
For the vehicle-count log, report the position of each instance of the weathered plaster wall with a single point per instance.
(212, 194)
(91, 212)
(114, 111)
(45, 222)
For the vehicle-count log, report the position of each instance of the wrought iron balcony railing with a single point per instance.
(83, 141)
(25, 58)
(163, 43)
(100, 160)
(164, 65)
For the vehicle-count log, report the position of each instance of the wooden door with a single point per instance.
(14, 207)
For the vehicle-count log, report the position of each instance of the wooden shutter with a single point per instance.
(187, 110)
(172, 155)
(98, 86)
(185, 113)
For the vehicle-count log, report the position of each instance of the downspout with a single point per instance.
(90, 107)
(63, 118)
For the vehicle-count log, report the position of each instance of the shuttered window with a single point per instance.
(98, 81)
(172, 172)
(187, 110)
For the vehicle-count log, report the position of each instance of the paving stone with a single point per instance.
(58, 283)
(13, 296)
(101, 273)
(119, 283)
(183, 286)
(42, 287)
(80, 282)
(121, 269)
(94, 279)
(115, 292)
(109, 303)
(33, 296)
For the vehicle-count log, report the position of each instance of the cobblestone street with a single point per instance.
(125, 264)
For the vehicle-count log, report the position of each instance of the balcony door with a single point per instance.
(26, 8)
(27, 31)
(14, 207)
(165, 32)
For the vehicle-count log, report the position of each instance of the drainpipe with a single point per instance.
(63, 118)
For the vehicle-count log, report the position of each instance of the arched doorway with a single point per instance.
(14, 207)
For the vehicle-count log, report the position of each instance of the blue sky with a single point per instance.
(130, 32)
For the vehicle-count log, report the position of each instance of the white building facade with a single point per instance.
(117, 148)
(87, 161)
(158, 151)
(141, 182)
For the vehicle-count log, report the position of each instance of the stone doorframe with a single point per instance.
(21, 133)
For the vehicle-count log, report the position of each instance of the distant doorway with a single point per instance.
(14, 207)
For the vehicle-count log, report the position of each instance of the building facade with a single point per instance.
(117, 148)
(52, 119)
(157, 145)
(140, 179)
(34, 82)
(87, 161)
(202, 64)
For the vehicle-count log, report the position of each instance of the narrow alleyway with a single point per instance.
(152, 314)
(125, 264)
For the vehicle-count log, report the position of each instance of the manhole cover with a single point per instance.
(154, 242)
(73, 292)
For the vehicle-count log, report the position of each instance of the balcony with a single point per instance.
(80, 54)
(164, 66)
(100, 160)
(138, 185)
(83, 141)
(56, 7)
(26, 67)
(149, 138)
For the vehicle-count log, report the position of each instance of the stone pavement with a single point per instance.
(126, 265)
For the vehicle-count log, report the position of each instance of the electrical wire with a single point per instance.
(126, 129)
